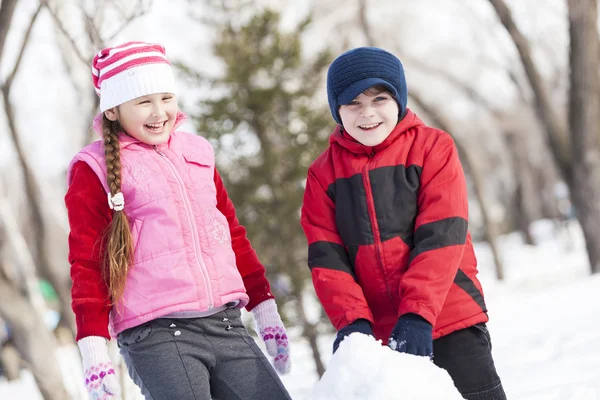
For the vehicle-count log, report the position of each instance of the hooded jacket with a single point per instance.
(387, 231)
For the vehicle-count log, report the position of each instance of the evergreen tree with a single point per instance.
(267, 122)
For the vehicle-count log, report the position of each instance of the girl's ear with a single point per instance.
(111, 114)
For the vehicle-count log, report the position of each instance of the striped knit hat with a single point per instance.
(131, 70)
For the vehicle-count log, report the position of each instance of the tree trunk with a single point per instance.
(58, 277)
(521, 176)
(7, 10)
(17, 244)
(364, 22)
(584, 124)
(309, 332)
(555, 133)
(489, 226)
(579, 168)
(10, 360)
(544, 181)
(35, 342)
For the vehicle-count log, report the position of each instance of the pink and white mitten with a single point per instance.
(272, 332)
(98, 372)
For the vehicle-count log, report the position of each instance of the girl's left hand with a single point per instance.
(272, 332)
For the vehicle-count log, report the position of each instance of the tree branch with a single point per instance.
(554, 131)
(140, 10)
(7, 9)
(468, 90)
(364, 22)
(7, 84)
(65, 33)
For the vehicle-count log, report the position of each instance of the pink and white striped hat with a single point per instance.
(131, 70)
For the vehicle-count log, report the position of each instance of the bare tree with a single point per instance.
(579, 168)
(489, 225)
(584, 104)
(21, 307)
(48, 268)
(521, 175)
(438, 121)
(555, 133)
(7, 9)
(33, 340)
(97, 34)
(53, 274)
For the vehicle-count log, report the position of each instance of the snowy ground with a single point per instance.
(543, 320)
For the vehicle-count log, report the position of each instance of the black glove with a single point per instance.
(360, 326)
(412, 335)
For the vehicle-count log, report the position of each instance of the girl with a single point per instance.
(165, 264)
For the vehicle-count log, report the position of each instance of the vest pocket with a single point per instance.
(200, 169)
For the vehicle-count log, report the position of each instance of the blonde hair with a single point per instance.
(118, 253)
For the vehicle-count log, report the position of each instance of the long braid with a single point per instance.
(119, 246)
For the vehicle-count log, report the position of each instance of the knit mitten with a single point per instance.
(271, 330)
(100, 379)
(412, 335)
(360, 325)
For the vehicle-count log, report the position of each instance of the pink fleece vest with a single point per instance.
(183, 257)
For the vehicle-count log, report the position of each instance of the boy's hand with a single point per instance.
(272, 332)
(360, 326)
(412, 335)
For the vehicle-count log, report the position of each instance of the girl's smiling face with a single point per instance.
(149, 118)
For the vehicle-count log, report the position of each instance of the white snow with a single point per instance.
(364, 369)
(543, 321)
(544, 318)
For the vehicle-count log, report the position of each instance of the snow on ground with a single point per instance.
(543, 321)
(363, 369)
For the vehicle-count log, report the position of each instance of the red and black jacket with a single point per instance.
(387, 231)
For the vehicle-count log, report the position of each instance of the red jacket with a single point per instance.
(387, 231)
(86, 201)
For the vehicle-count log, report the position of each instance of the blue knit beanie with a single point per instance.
(358, 69)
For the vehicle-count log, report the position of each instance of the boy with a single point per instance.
(385, 215)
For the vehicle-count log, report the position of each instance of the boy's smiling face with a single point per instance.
(370, 117)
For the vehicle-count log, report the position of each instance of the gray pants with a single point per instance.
(199, 359)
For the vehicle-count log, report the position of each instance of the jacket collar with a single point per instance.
(126, 140)
(340, 137)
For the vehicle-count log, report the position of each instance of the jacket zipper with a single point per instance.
(189, 213)
(374, 224)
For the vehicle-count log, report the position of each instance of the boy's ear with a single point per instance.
(111, 114)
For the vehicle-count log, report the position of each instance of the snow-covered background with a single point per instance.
(543, 321)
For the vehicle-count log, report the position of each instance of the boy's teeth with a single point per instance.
(369, 126)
